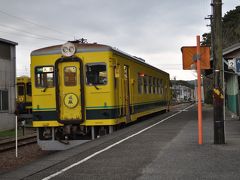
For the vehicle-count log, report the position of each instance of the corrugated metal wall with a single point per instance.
(7, 82)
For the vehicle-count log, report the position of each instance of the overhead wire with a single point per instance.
(33, 23)
(29, 34)
(10, 30)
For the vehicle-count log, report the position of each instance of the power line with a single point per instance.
(29, 34)
(33, 23)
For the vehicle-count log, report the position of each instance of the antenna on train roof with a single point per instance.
(80, 41)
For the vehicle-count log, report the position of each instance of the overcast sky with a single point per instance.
(154, 30)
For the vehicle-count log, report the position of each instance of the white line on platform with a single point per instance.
(184, 110)
(109, 147)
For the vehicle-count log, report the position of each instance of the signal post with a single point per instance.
(200, 57)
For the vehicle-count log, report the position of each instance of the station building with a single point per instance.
(232, 95)
(7, 84)
(231, 79)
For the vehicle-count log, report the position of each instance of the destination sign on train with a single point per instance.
(47, 69)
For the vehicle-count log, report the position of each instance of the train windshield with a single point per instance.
(20, 89)
(44, 77)
(96, 74)
(70, 76)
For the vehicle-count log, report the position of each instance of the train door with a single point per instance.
(69, 96)
(127, 92)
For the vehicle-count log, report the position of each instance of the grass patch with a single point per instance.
(9, 133)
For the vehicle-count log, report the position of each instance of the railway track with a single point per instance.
(9, 144)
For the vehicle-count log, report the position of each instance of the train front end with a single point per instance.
(69, 83)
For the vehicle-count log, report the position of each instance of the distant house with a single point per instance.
(182, 91)
(7, 84)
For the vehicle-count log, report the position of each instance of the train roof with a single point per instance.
(90, 47)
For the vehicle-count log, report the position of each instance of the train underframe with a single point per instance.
(68, 136)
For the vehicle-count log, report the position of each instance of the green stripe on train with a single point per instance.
(104, 107)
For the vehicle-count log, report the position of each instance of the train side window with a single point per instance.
(44, 77)
(140, 83)
(29, 89)
(145, 84)
(163, 86)
(96, 74)
(159, 86)
(150, 85)
(70, 76)
(20, 89)
(154, 85)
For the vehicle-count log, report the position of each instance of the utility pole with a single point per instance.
(210, 17)
(218, 97)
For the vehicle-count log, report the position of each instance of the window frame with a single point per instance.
(159, 86)
(23, 85)
(145, 86)
(35, 77)
(1, 101)
(96, 63)
(140, 84)
(154, 85)
(150, 78)
(76, 76)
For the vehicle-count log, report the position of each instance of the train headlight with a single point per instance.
(68, 49)
(20, 99)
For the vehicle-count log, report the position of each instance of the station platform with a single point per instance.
(162, 147)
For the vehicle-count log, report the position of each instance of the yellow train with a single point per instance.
(24, 95)
(82, 90)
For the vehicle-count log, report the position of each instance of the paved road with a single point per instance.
(168, 150)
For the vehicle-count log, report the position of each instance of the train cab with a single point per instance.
(24, 95)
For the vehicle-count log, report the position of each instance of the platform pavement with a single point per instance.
(184, 159)
(172, 153)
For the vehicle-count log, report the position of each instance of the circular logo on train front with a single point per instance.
(71, 100)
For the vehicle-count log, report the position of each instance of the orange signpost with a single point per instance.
(200, 56)
(200, 138)
(189, 57)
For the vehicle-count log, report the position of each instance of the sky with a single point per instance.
(154, 30)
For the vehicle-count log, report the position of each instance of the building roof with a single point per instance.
(228, 53)
(8, 42)
(229, 50)
(232, 48)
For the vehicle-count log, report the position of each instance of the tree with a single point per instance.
(231, 29)
(206, 39)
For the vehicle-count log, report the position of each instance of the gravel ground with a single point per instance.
(26, 154)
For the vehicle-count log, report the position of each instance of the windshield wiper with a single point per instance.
(97, 88)
(45, 88)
